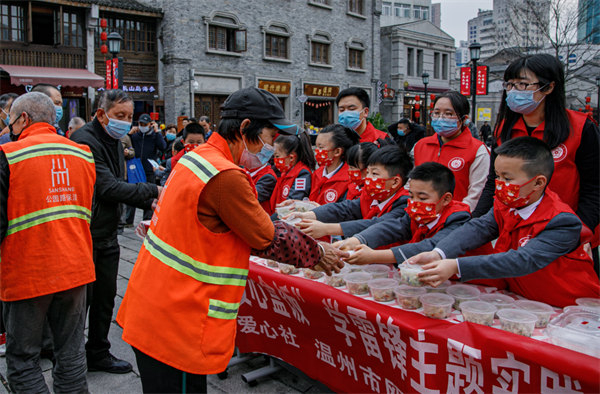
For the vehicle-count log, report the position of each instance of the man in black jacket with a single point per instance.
(406, 133)
(102, 134)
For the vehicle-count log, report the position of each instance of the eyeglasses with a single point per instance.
(445, 115)
(517, 85)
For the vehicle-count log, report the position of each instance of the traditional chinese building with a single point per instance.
(58, 42)
(303, 51)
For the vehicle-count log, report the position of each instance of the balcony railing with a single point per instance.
(18, 54)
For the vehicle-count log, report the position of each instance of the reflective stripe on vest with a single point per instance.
(222, 310)
(188, 266)
(47, 215)
(199, 166)
(47, 150)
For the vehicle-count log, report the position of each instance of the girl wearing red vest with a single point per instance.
(330, 181)
(454, 146)
(358, 157)
(539, 247)
(534, 104)
(295, 162)
(264, 180)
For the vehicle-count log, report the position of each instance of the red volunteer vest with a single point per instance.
(457, 154)
(48, 244)
(354, 191)
(562, 281)
(324, 190)
(371, 134)
(565, 179)
(366, 201)
(285, 183)
(182, 298)
(265, 170)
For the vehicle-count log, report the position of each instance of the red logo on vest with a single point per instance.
(523, 241)
(331, 195)
(456, 163)
(559, 153)
(285, 191)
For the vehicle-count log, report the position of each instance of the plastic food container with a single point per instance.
(463, 293)
(312, 274)
(590, 304)
(272, 263)
(408, 296)
(288, 269)
(517, 321)
(499, 300)
(378, 270)
(284, 211)
(437, 305)
(302, 206)
(440, 289)
(337, 280)
(479, 312)
(357, 282)
(409, 274)
(576, 330)
(382, 289)
(541, 310)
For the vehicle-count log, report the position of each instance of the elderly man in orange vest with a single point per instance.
(46, 189)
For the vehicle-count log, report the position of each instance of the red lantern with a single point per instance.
(103, 36)
(588, 99)
(432, 97)
(417, 114)
(580, 109)
(588, 107)
(417, 106)
(103, 23)
(103, 49)
(418, 98)
(431, 105)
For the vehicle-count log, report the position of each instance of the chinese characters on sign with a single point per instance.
(321, 90)
(275, 87)
(481, 81)
(139, 89)
(465, 81)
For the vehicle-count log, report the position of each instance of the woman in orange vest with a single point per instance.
(330, 182)
(533, 104)
(179, 312)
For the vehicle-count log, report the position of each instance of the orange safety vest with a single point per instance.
(183, 296)
(48, 244)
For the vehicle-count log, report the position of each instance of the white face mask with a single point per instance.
(144, 129)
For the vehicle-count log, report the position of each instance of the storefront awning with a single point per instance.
(26, 75)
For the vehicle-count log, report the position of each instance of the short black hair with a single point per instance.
(404, 121)
(358, 155)
(108, 98)
(536, 155)
(342, 137)
(193, 128)
(299, 144)
(44, 88)
(459, 103)
(6, 98)
(440, 176)
(178, 144)
(192, 120)
(360, 94)
(394, 159)
(230, 129)
(204, 118)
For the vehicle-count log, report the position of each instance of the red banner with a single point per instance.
(108, 75)
(115, 71)
(465, 81)
(353, 344)
(481, 83)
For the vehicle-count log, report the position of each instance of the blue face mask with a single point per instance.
(255, 160)
(522, 102)
(445, 127)
(7, 120)
(170, 137)
(59, 113)
(401, 133)
(350, 119)
(117, 128)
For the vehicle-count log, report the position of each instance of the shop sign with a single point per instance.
(139, 89)
(321, 90)
(481, 87)
(275, 87)
(465, 81)
(484, 114)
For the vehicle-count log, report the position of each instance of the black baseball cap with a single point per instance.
(144, 118)
(255, 103)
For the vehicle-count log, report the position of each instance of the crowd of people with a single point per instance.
(519, 217)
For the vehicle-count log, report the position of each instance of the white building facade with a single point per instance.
(402, 11)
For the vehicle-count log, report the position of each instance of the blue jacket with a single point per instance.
(146, 147)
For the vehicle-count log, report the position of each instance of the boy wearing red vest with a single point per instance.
(383, 197)
(539, 252)
(264, 180)
(431, 215)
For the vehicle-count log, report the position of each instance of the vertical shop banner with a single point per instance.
(481, 84)
(465, 81)
(108, 74)
(115, 73)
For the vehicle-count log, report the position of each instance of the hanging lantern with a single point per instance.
(103, 49)
(417, 114)
(103, 23)
(417, 106)
(580, 109)
(431, 105)
(588, 99)
(103, 36)
(418, 98)
(588, 107)
(432, 97)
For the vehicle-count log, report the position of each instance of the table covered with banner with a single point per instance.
(354, 344)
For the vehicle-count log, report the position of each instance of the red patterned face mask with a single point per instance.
(421, 212)
(281, 165)
(375, 187)
(190, 147)
(356, 177)
(508, 194)
(322, 157)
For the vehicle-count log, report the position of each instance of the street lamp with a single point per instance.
(114, 47)
(475, 51)
(425, 77)
(193, 86)
(598, 99)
